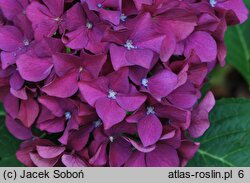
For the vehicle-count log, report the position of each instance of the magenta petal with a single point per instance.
(152, 42)
(162, 156)
(237, 7)
(43, 22)
(22, 153)
(135, 118)
(119, 81)
(131, 102)
(140, 57)
(11, 105)
(140, 147)
(178, 117)
(10, 38)
(149, 130)
(11, 8)
(56, 7)
(63, 87)
(16, 81)
(73, 161)
(184, 96)
(47, 47)
(41, 162)
(208, 102)
(94, 63)
(48, 152)
(136, 160)
(21, 94)
(120, 151)
(200, 121)
(111, 16)
(111, 115)
(53, 104)
(91, 92)
(100, 158)
(79, 138)
(203, 44)
(28, 112)
(163, 83)
(72, 124)
(76, 39)
(8, 58)
(168, 47)
(34, 69)
(139, 3)
(75, 17)
(118, 57)
(52, 125)
(188, 150)
(17, 129)
(64, 63)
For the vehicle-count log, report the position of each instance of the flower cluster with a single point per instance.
(110, 82)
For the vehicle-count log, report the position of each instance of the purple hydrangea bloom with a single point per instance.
(114, 91)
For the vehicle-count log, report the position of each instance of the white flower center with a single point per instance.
(80, 69)
(26, 42)
(89, 25)
(58, 19)
(123, 17)
(112, 94)
(150, 110)
(111, 138)
(129, 45)
(68, 115)
(99, 5)
(144, 82)
(97, 123)
(213, 2)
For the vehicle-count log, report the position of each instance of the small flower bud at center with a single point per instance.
(144, 82)
(150, 110)
(112, 94)
(89, 25)
(68, 115)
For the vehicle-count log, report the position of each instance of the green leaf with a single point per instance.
(68, 50)
(226, 143)
(2, 113)
(238, 44)
(8, 145)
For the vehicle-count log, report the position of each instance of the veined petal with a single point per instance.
(111, 115)
(34, 69)
(149, 130)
